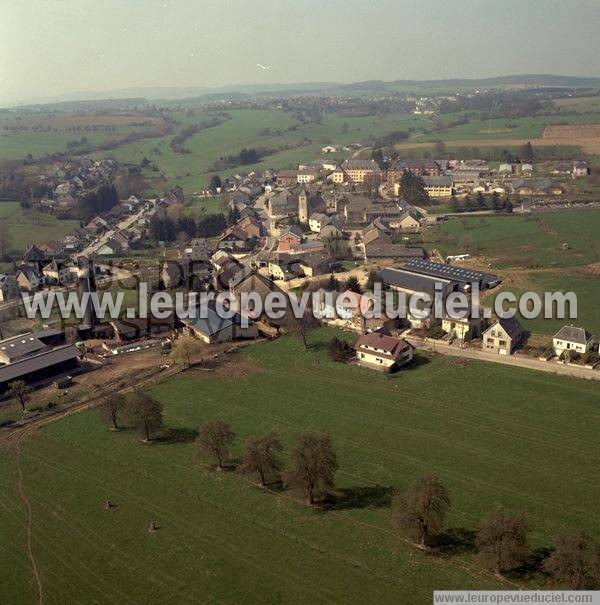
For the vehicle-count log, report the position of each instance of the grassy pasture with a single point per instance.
(524, 241)
(224, 540)
(28, 227)
(503, 128)
(191, 170)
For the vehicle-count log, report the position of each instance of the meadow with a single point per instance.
(505, 128)
(29, 227)
(260, 128)
(222, 539)
(527, 252)
(522, 240)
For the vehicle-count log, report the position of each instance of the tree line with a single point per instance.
(418, 514)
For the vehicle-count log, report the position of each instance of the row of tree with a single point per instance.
(481, 202)
(167, 229)
(419, 513)
(501, 541)
(313, 462)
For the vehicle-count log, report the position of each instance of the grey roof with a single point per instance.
(458, 274)
(380, 248)
(34, 363)
(209, 322)
(437, 181)
(510, 325)
(413, 281)
(20, 346)
(573, 334)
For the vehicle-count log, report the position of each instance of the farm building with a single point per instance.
(460, 275)
(40, 366)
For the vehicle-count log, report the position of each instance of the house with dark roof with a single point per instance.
(210, 327)
(572, 338)
(503, 336)
(9, 288)
(382, 352)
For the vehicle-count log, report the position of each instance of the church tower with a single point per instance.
(303, 206)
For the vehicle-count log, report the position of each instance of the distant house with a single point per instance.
(30, 279)
(287, 178)
(382, 352)
(329, 149)
(359, 171)
(9, 288)
(306, 176)
(209, 327)
(580, 168)
(438, 186)
(461, 328)
(34, 256)
(571, 338)
(289, 238)
(537, 187)
(110, 248)
(96, 225)
(503, 336)
(233, 238)
(56, 272)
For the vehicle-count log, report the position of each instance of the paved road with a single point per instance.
(124, 224)
(512, 360)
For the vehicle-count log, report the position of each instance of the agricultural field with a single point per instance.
(504, 128)
(51, 134)
(591, 104)
(259, 128)
(27, 226)
(527, 252)
(222, 539)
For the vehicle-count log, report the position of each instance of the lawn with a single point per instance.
(224, 540)
(30, 227)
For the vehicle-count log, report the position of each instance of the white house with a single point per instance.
(571, 338)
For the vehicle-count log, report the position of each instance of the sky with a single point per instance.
(52, 47)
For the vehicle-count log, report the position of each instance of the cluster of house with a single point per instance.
(66, 181)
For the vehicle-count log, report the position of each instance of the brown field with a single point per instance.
(572, 131)
(586, 136)
(63, 122)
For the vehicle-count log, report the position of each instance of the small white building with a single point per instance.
(571, 338)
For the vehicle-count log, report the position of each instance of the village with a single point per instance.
(332, 226)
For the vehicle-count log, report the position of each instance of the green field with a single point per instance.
(526, 250)
(524, 241)
(30, 227)
(224, 540)
(504, 128)
(191, 170)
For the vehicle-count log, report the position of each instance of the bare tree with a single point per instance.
(314, 465)
(573, 561)
(111, 409)
(215, 438)
(422, 510)
(20, 391)
(144, 413)
(300, 326)
(502, 540)
(260, 457)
